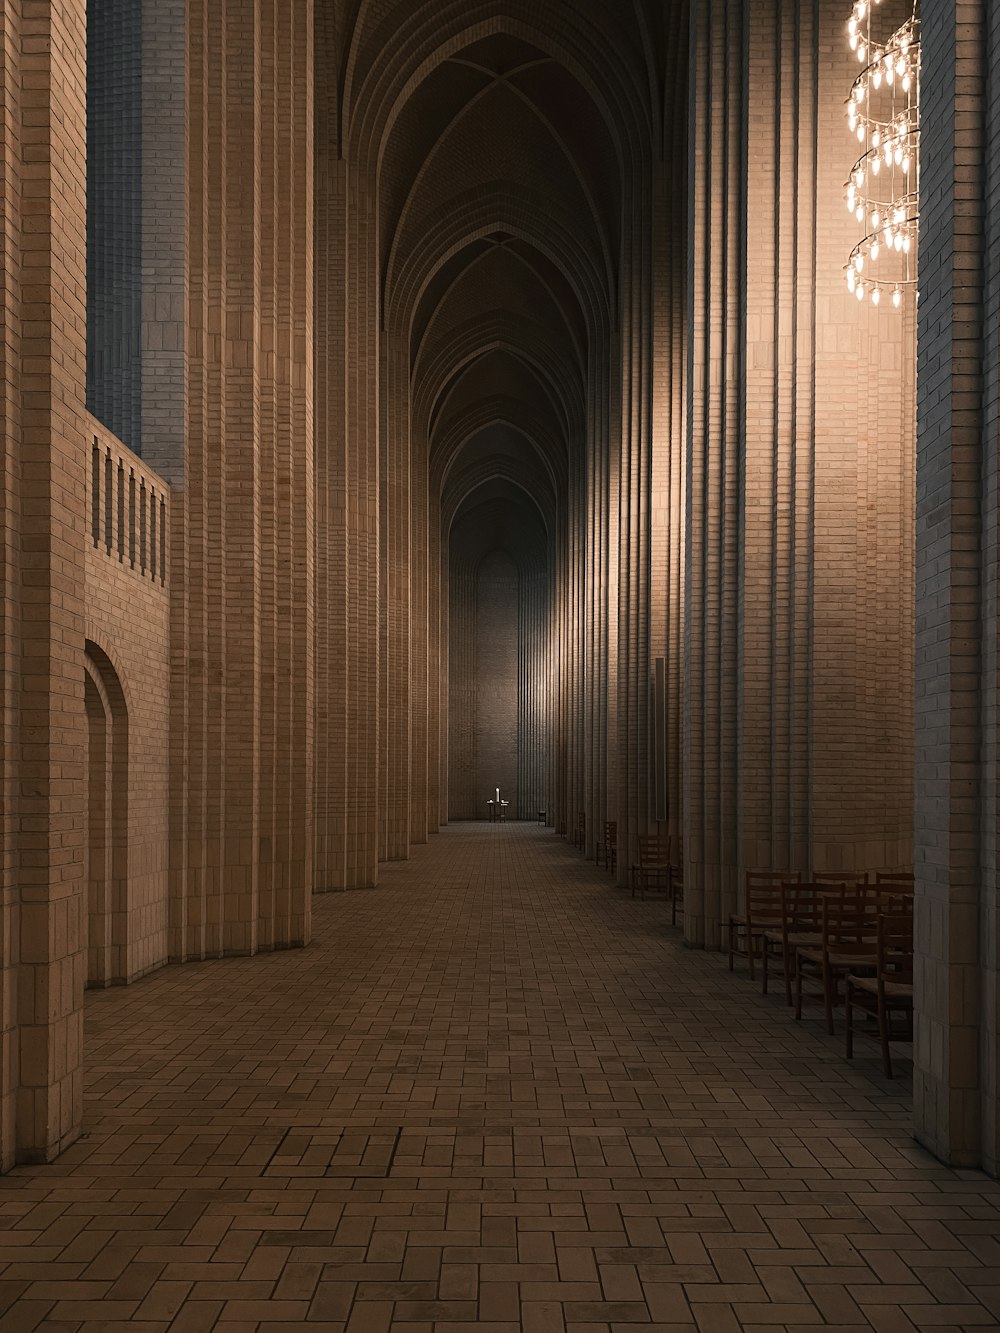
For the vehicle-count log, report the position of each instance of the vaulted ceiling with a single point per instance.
(507, 147)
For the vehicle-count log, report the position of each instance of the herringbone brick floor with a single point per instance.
(494, 1093)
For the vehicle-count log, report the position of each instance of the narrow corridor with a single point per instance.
(496, 1092)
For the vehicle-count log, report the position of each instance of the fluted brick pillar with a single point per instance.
(44, 374)
(348, 571)
(397, 568)
(711, 523)
(955, 1050)
(243, 687)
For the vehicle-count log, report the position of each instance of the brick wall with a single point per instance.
(128, 647)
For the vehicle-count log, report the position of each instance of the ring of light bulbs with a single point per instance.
(883, 113)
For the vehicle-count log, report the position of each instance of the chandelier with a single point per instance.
(883, 112)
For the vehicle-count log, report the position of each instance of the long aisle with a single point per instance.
(494, 1092)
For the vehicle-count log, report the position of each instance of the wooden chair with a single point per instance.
(801, 922)
(761, 909)
(675, 877)
(608, 849)
(889, 991)
(895, 887)
(847, 944)
(652, 870)
(580, 831)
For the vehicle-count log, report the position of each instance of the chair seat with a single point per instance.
(796, 937)
(896, 990)
(838, 959)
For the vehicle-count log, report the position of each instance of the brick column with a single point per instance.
(956, 721)
(347, 460)
(53, 486)
(242, 705)
(397, 566)
(715, 325)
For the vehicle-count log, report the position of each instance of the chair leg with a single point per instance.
(790, 970)
(798, 989)
(829, 983)
(732, 943)
(849, 1017)
(765, 954)
(751, 950)
(883, 1033)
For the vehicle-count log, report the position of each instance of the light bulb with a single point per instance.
(897, 297)
(859, 261)
(859, 291)
(906, 83)
(874, 250)
(898, 155)
(862, 49)
(906, 243)
(862, 9)
(861, 134)
(875, 296)
(852, 24)
(876, 138)
(859, 213)
(851, 280)
(854, 41)
(877, 79)
(875, 220)
(900, 66)
(898, 241)
(906, 166)
(876, 165)
(889, 75)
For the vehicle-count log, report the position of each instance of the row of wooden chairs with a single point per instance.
(850, 938)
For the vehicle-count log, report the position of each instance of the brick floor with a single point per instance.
(495, 1092)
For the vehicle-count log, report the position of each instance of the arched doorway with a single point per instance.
(107, 821)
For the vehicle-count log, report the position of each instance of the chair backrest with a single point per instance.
(894, 889)
(653, 849)
(840, 877)
(801, 907)
(850, 920)
(762, 902)
(895, 949)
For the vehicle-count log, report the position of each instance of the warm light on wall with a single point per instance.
(883, 112)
